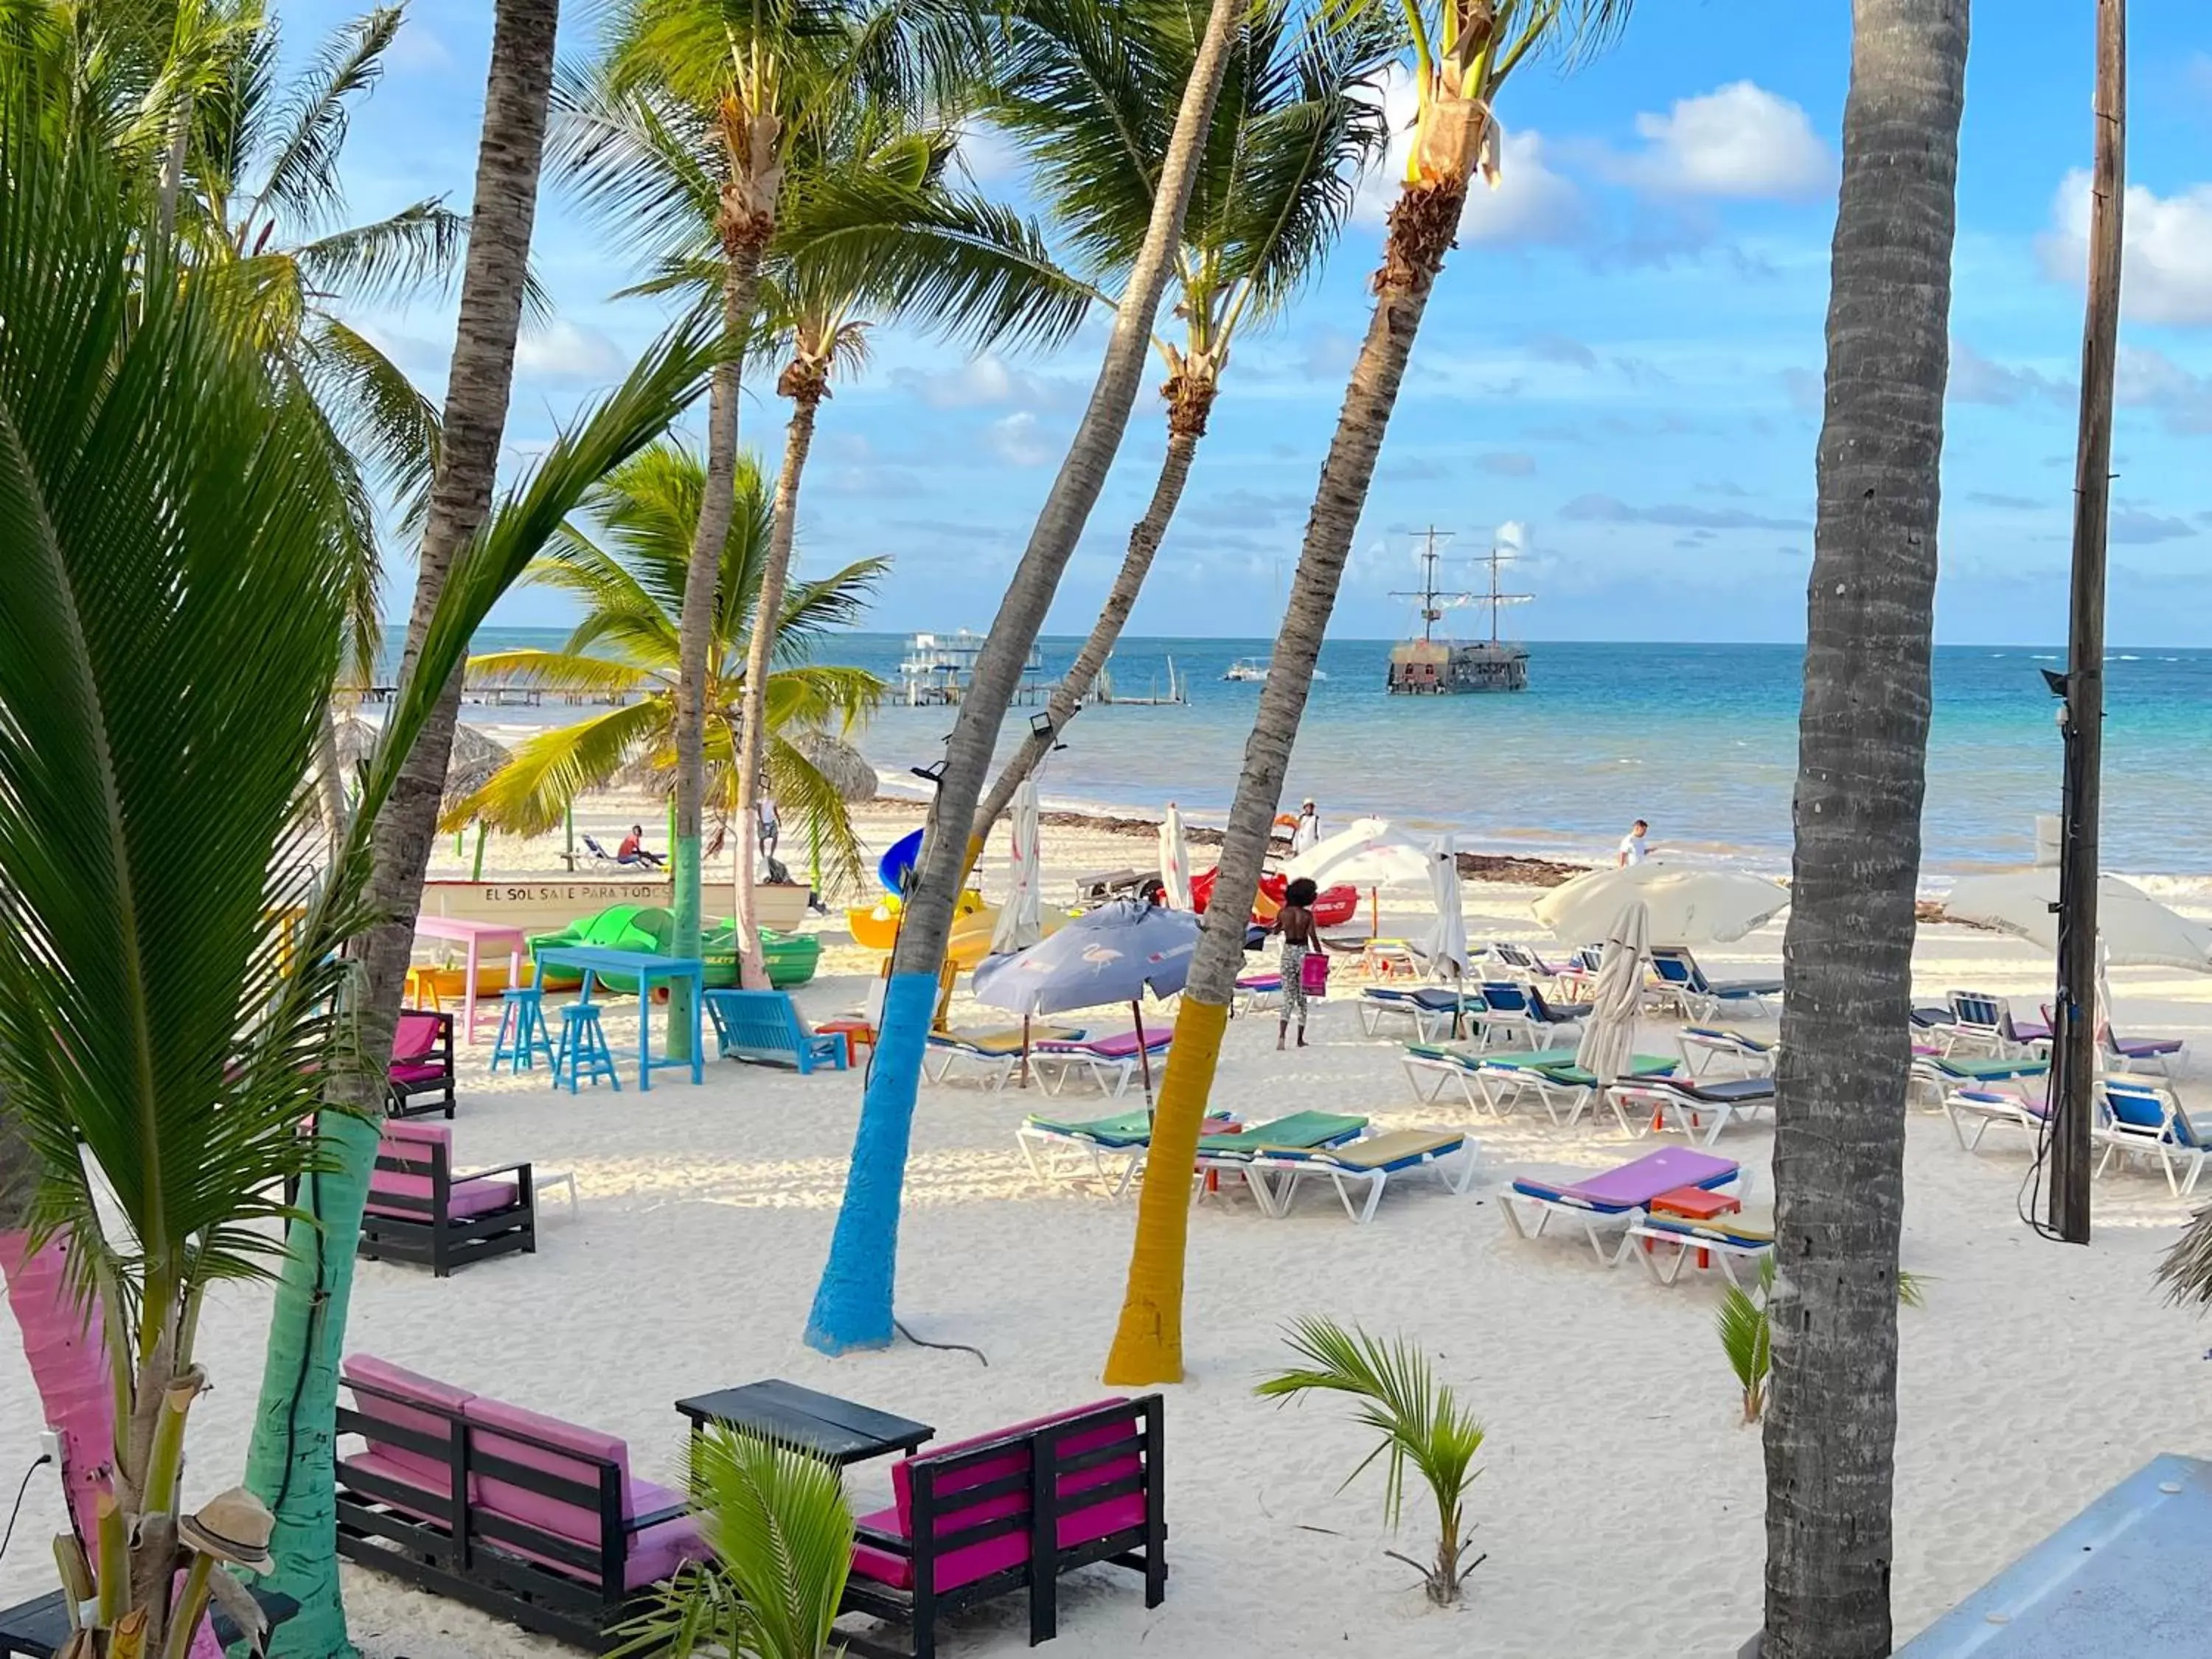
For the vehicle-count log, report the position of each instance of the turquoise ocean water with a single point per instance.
(1700, 739)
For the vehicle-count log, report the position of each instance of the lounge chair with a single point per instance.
(1429, 1006)
(1512, 1012)
(1013, 1510)
(1686, 1104)
(1432, 1067)
(1368, 1164)
(764, 1027)
(1983, 1023)
(1721, 1240)
(548, 1527)
(418, 1210)
(419, 1079)
(2148, 1120)
(1683, 984)
(993, 1053)
(598, 853)
(1111, 1149)
(1231, 1151)
(1111, 1062)
(1939, 1075)
(2135, 1053)
(1564, 1088)
(1753, 1057)
(1521, 963)
(1257, 993)
(1988, 1108)
(1614, 1200)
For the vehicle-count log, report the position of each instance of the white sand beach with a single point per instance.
(1620, 1501)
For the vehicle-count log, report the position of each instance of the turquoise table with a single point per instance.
(592, 960)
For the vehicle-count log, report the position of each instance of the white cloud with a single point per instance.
(2167, 248)
(986, 154)
(1740, 141)
(564, 350)
(1531, 204)
(1017, 440)
(983, 382)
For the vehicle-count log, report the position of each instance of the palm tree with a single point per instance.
(853, 1304)
(756, 78)
(173, 618)
(1462, 59)
(629, 586)
(1862, 738)
(299, 1407)
(1297, 123)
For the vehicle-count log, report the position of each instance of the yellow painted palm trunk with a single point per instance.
(1148, 1347)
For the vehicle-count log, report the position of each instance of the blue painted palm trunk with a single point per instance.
(853, 1305)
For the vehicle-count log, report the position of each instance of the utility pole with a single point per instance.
(2074, 1041)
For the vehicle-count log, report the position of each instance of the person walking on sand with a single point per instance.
(1632, 844)
(1308, 833)
(1295, 922)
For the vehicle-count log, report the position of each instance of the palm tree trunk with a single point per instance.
(330, 782)
(853, 1304)
(1148, 1345)
(1188, 402)
(509, 158)
(805, 381)
(1863, 735)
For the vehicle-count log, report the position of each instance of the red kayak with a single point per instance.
(1334, 907)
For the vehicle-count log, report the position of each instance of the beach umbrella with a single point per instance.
(1113, 954)
(1446, 945)
(2137, 931)
(1683, 905)
(1367, 853)
(1609, 1034)
(1021, 922)
(845, 767)
(1175, 857)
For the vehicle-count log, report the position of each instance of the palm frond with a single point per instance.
(2186, 1269)
(389, 425)
(817, 809)
(1747, 1339)
(417, 248)
(302, 183)
(573, 672)
(529, 795)
(632, 154)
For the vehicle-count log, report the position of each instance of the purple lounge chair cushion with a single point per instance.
(1122, 1045)
(1632, 1185)
(2146, 1047)
(400, 1462)
(978, 1560)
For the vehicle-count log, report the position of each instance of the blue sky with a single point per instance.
(1623, 355)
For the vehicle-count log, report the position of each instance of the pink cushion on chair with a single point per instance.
(978, 1560)
(411, 1072)
(401, 1462)
(415, 1035)
(424, 1134)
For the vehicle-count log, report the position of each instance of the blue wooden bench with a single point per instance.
(763, 1027)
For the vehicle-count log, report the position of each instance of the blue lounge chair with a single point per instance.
(1514, 1012)
(1981, 1021)
(1682, 983)
(763, 1028)
(2147, 1119)
(1429, 1006)
(1756, 1057)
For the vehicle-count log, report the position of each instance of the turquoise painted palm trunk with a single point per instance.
(685, 934)
(853, 1305)
(288, 1466)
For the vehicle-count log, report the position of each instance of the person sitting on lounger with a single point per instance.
(1295, 922)
(632, 850)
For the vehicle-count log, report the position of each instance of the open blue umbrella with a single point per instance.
(1114, 954)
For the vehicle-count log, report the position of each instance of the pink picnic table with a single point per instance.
(476, 935)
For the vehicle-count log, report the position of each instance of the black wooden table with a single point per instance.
(837, 1431)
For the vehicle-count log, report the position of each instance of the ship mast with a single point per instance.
(1431, 613)
(1496, 558)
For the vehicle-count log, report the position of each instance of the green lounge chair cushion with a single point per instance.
(1298, 1129)
(1135, 1125)
(1994, 1068)
(1538, 1061)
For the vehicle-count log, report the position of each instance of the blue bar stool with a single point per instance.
(583, 1052)
(522, 1034)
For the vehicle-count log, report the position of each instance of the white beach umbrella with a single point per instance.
(1683, 905)
(1610, 1035)
(1446, 946)
(2136, 930)
(1369, 853)
(1021, 918)
(1175, 857)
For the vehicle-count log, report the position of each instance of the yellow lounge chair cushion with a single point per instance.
(1377, 1150)
(1752, 1226)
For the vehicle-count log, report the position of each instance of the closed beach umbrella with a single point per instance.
(1609, 1036)
(1021, 918)
(1446, 946)
(1175, 857)
(1113, 954)
(1682, 905)
(2137, 931)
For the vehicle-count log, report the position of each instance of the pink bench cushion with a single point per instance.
(978, 1560)
(415, 1036)
(411, 1073)
(402, 1462)
(408, 1138)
